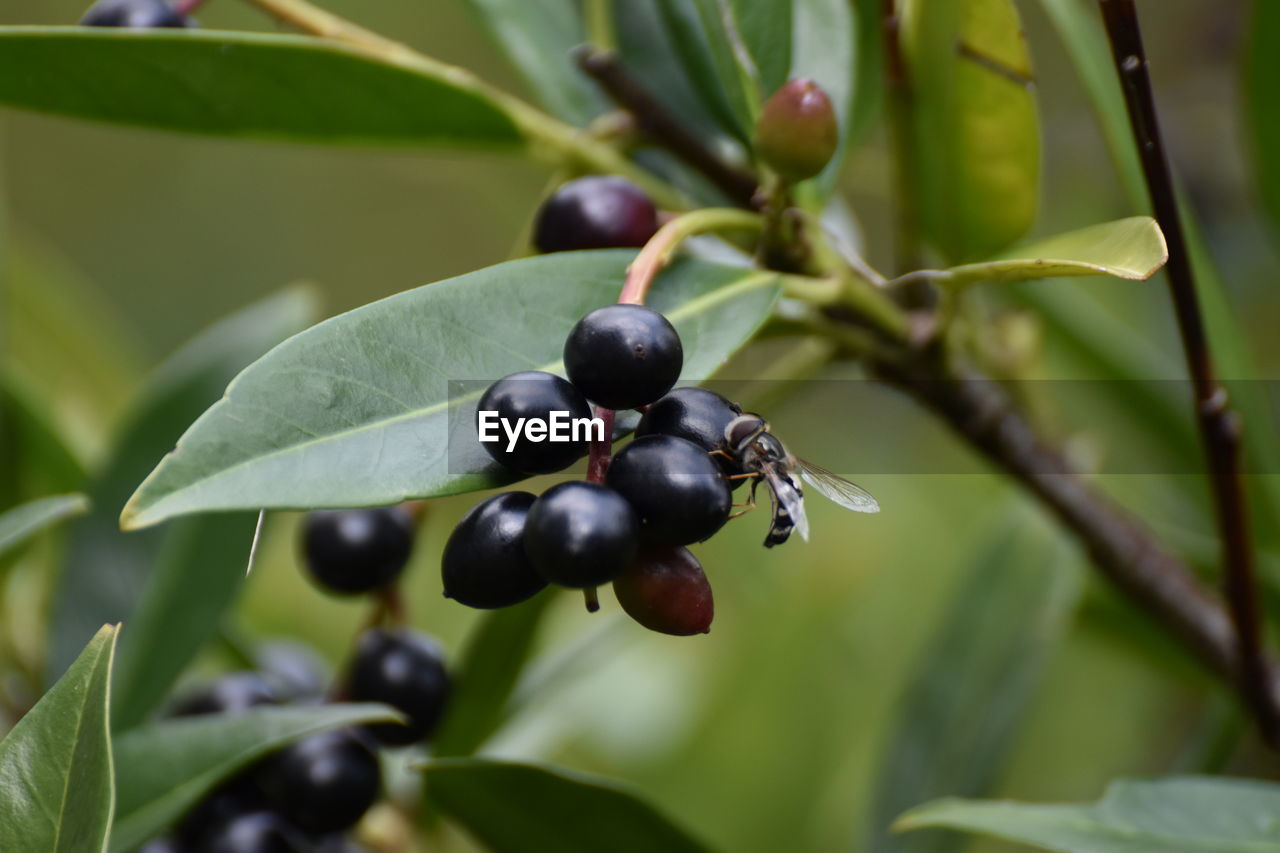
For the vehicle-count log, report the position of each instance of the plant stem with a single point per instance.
(657, 253)
(599, 18)
(898, 105)
(663, 128)
(1220, 428)
(566, 144)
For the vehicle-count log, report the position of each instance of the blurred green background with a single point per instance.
(774, 731)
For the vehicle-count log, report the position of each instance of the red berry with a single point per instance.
(665, 590)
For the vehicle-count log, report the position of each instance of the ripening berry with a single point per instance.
(597, 212)
(581, 535)
(623, 356)
(484, 562)
(143, 14)
(403, 669)
(530, 395)
(353, 551)
(797, 134)
(674, 486)
(665, 590)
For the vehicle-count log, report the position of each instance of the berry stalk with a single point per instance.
(658, 252)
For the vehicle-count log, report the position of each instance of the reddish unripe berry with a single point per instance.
(797, 133)
(665, 590)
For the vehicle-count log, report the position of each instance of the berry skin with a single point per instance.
(145, 14)
(675, 487)
(322, 783)
(255, 832)
(232, 800)
(161, 845)
(598, 212)
(533, 394)
(403, 669)
(484, 562)
(231, 694)
(797, 133)
(581, 535)
(665, 590)
(353, 551)
(623, 356)
(697, 415)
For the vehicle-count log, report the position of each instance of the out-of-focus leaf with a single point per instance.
(1082, 35)
(495, 656)
(976, 137)
(184, 575)
(36, 457)
(1262, 70)
(537, 36)
(284, 87)
(825, 48)
(362, 409)
(57, 791)
(765, 31)
(519, 807)
(868, 91)
(20, 523)
(1131, 248)
(164, 768)
(728, 89)
(977, 676)
(1181, 814)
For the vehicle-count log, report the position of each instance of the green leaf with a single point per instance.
(520, 807)
(165, 768)
(56, 786)
(825, 48)
(973, 686)
(495, 656)
(1131, 248)
(283, 87)
(20, 523)
(868, 70)
(976, 145)
(171, 586)
(1181, 814)
(537, 36)
(359, 410)
(765, 31)
(1262, 69)
(36, 454)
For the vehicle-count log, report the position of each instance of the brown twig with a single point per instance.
(1219, 425)
(656, 122)
(898, 105)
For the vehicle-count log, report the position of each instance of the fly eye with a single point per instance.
(742, 429)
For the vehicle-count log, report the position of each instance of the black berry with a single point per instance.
(234, 693)
(322, 783)
(294, 670)
(532, 395)
(697, 415)
(581, 534)
(623, 356)
(484, 562)
(256, 832)
(352, 551)
(233, 799)
(598, 212)
(161, 845)
(675, 487)
(133, 13)
(665, 590)
(403, 669)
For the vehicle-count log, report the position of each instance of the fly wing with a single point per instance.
(837, 488)
(788, 502)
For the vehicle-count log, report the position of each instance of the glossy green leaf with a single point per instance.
(164, 768)
(285, 87)
(20, 523)
(56, 785)
(537, 36)
(170, 586)
(1262, 70)
(360, 410)
(825, 43)
(1131, 248)
(977, 677)
(513, 808)
(1185, 814)
(976, 143)
(496, 654)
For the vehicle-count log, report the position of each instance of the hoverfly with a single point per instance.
(762, 456)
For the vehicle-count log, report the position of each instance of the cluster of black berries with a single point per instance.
(307, 796)
(135, 14)
(662, 492)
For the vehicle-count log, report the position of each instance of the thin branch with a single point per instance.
(662, 127)
(657, 253)
(1219, 425)
(898, 105)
